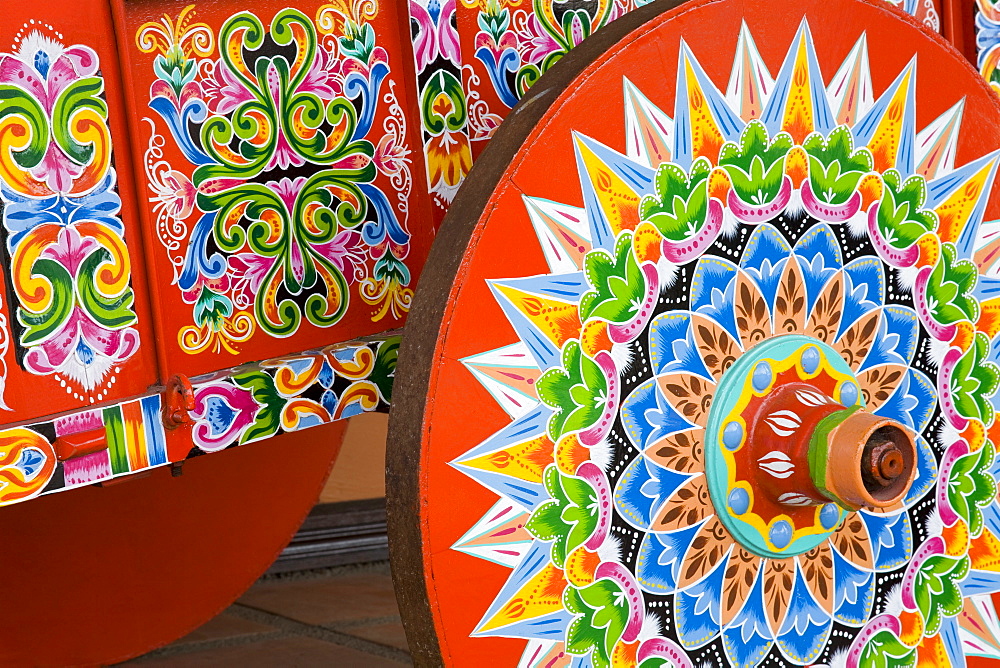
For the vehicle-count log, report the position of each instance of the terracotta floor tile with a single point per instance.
(326, 601)
(387, 634)
(284, 652)
(226, 625)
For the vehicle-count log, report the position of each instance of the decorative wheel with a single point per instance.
(702, 369)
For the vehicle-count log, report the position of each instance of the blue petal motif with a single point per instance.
(672, 347)
(896, 340)
(891, 539)
(181, 122)
(712, 291)
(764, 259)
(647, 415)
(660, 557)
(385, 224)
(642, 489)
(698, 609)
(197, 262)
(747, 638)
(498, 70)
(806, 627)
(926, 472)
(853, 591)
(864, 290)
(820, 259)
(22, 214)
(358, 85)
(900, 403)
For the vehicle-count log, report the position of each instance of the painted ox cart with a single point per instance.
(699, 223)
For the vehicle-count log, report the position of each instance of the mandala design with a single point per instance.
(69, 267)
(795, 238)
(277, 211)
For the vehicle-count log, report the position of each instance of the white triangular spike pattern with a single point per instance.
(478, 543)
(750, 83)
(647, 128)
(850, 91)
(563, 233)
(513, 362)
(938, 143)
(987, 641)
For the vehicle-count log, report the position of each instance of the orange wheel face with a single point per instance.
(695, 208)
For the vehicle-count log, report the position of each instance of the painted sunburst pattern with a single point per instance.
(792, 211)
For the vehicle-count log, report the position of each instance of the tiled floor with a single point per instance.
(339, 617)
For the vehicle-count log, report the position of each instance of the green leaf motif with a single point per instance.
(619, 285)
(384, 371)
(568, 518)
(756, 165)
(936, 589)
(974, 380)
(901, 216)
(884, 650)
(835, 167)
(268, 417)
(679, 208)
(577, 391)
(971, 487)
(602, 613)
(949, 289)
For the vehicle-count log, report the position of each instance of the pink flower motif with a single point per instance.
(534, 42)
(248, 271)
(288, 190)
(435, 38)
(71, 249)
(175, 194)
(82, 350)
(46, 83)
(72, 64)
(390, 157)
(324, 78)
(347, 252)
(223, 90)
(57, 170)
(221, 412)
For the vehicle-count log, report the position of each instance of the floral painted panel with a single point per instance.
(277, 159)
(70, 331)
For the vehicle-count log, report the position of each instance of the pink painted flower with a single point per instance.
(535, 43)
(174, 194)
(347, 252)
(223, 90)
(390, 157)
(248, 271)
(221, 412)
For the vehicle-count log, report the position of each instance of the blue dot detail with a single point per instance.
(761, 376)
(810, 360)
(781, 534)
(829, 516)
(732, 435)
(739, 501)
(849, 394)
